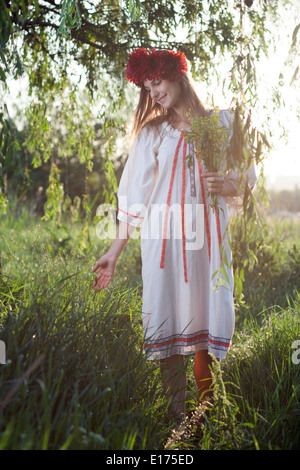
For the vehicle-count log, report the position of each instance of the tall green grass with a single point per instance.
(92, 387)
(256, 403)
(276, 275)
(264, 378)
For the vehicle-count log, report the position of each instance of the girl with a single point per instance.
(184, 311)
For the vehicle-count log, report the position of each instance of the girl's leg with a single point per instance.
(174, 383)
(202, 372)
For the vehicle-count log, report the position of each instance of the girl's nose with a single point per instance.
(153, 94)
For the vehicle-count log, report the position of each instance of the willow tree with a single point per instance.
(46, 40)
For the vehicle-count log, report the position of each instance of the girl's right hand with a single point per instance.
(106, 267)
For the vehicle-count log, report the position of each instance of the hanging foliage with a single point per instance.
(55, 196)
(56, 45)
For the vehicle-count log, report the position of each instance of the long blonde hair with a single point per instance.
(151, 113)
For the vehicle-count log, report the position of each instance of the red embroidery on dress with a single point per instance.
(205, 208)
(162, 261)
(192, 174)
(182, 209)
(197, 338)
(219, 232)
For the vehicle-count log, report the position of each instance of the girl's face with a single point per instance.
(167, 94)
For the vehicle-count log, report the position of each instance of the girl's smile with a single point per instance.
(162, 100)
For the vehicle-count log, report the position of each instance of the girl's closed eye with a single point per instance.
(154, 84)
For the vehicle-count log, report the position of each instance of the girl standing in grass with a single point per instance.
(184, 311)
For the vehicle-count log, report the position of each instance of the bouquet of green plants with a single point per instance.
(222, 150)
(210, 140)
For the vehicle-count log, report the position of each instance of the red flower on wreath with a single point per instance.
(144, 64)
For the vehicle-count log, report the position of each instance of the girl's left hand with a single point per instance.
(215, 182)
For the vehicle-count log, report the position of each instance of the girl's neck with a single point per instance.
(179, 118)
(179, 112)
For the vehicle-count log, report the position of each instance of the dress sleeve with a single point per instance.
(138, 178)
(234, 176)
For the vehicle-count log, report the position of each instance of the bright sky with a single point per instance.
(284, 159)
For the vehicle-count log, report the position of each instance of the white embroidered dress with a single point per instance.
(185, 308)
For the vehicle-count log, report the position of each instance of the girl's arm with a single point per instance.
(106, 265)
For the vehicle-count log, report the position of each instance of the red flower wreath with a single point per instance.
(144, 64)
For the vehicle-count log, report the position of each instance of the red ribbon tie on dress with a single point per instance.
(163, 252)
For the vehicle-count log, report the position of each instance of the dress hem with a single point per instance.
(187, 345)
(152, 355)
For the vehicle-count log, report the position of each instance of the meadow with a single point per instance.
(76, 377)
